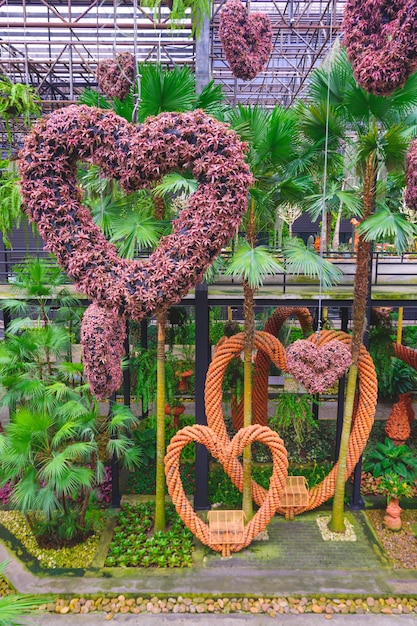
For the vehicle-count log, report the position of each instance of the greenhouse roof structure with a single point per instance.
(55, 46)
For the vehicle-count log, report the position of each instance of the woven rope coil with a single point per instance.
(406, 354)
(225, 452)
(362, 423)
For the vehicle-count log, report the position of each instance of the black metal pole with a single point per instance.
(202, 360)
(115, 490)
(126, 371)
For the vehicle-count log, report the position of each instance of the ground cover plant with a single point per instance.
(135, 545)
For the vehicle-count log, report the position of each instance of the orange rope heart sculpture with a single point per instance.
(226, 452)
(362, 423)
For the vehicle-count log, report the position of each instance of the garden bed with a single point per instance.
(401, 546)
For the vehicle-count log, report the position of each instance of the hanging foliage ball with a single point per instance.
(381, 42)
(116, 76)
(246, 39)
(135, 156)
(411, 177)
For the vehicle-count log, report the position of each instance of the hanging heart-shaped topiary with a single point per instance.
(246, 39)
(381, 42)
(318, 367)
(115, 76)
(136, 156)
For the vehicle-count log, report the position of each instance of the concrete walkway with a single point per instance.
(223, 620)
(294, 561)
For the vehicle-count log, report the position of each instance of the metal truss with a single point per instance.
(303, 33)
(56, 46)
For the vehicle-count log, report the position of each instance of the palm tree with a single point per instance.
(379, 130)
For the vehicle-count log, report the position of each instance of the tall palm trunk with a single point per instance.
(360, 294)
(249, 330)
(160, 425)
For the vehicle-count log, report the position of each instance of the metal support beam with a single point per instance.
(202, 359)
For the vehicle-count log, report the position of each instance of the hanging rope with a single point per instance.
(323, 208)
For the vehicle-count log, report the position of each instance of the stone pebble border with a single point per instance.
(225, 605)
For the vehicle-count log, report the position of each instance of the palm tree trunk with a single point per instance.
(160, 426)
(249, 329)
(360, 293)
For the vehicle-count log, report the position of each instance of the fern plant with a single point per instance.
(10, 200)
(17, 100)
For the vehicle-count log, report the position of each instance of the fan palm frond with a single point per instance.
(300, 259)
(253, 264)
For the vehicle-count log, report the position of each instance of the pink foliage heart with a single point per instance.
(246, 39)
(116, 76)
(318, 368)
(135, 156)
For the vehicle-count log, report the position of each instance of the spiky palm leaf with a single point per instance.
(387, 224)
(300, 259)
(176, 183)
(253, 264)
(163, 90)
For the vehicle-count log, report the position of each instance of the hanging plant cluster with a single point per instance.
(381, 42)
(246, 39)
(103, 332)
(116, 76)
(136, 156)
(411, 177)
(318, 367)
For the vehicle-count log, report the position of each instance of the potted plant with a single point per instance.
(395, 486)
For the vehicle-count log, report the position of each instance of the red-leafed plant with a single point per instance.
(381, 42)
(246, 39)
(411, 177)
(136, 156)
(116, 76)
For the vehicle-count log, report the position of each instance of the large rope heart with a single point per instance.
(381, 42)
(135, 156)
(226, 454)
(318, 367)
(246, 39)
(362, 423)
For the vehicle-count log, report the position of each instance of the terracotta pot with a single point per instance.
(175, 411)
(183, 384)
(392, 519)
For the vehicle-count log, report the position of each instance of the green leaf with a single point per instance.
(253, 264)
(386, 224)
(302, 260)
(163, 90)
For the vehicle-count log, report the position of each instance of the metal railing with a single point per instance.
(387, 269)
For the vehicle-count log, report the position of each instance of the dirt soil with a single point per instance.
(400, 546)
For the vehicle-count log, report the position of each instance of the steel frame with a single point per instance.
(56, 46)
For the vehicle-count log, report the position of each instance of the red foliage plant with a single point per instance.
(381, 42)
(115, 76)
(246, 39)
(318, 368)
(136, 156)
(411, 177)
